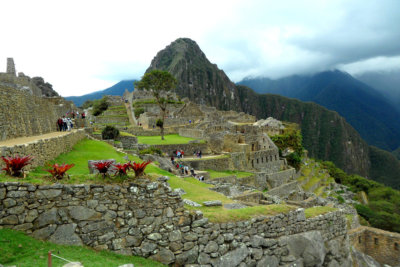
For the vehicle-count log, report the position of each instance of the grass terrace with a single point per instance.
(20, 250)
(170, 139)
(220, 174)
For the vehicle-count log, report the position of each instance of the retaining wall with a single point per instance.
(45, 149)
(148, 219)
(24, 114)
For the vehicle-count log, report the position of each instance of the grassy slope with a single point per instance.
(170, 139)
(18, 249)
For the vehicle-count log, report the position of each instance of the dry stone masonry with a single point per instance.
(148, 219)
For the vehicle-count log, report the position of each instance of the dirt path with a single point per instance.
(25, 140)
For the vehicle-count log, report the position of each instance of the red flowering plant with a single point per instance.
(15, 164)
(58, 171)
(103, 166)
(139, 168)
(121, 169)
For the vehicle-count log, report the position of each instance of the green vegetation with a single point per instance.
(292, 139)
(99, 106)
(170, 139)
(383, 209)
(219, 174)
(138, 111)
(151, 150)
(110, 132)
(318, 210)
(220, 214)
(24, 251)
(126, 134)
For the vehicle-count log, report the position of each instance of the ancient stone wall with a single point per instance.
(260, 159)
(23, 114)
(217, 164)
(45, 149)
(192, 133)
(148, 219)
(188, 149)
(383, 246)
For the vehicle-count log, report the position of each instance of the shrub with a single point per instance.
(110, 132)
(294, 160)
(58, 171)
(14, 165)
(160, 123)
(340, 199)
(99, 106)
(138, 111)
(103, 166)
(151, 150)
(139, 168)
(122, 169)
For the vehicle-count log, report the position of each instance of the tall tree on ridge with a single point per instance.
(160, 83)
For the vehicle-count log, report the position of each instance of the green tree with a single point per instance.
(160, 83)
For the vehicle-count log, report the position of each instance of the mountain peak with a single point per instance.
(198, 79)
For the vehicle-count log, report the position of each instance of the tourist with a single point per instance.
(186, 168)
(60, 124)
(64, 123)
(192, 172)
(83, 115)
(173, 160)
(182, 153)
(200, 154)
(178, 154)
(69, 124)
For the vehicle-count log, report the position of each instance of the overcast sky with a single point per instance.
(84, 46)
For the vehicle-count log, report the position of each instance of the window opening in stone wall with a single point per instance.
(262, 160)
(396, 246)
(252, 147)
(359, 239)
(376, 241)
(275, 158)
(252, 163)
(257, 161)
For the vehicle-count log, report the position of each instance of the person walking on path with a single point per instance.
(60, 124)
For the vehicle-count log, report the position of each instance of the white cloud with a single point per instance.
(83, 46)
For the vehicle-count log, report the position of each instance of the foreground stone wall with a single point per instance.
(45, 149)
(148, 219)
(382, 245)
(24, 114)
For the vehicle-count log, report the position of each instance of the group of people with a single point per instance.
(178, 153)
(74, 114)
(197, 153)
(64, 124)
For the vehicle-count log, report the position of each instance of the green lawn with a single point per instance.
(220, 174)
(21, 250)
(170, 139)
(318, 210)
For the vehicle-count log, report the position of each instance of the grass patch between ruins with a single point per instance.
(220, 174)
(170, 139)
(318, 210)
(221, 214)
(21, 250)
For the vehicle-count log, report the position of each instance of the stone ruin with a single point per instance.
(34, 86)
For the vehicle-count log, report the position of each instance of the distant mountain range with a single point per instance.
(117, 89)
(366, 109)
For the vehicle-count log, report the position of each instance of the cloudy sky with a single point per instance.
(84, 46)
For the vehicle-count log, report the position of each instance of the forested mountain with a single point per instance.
(367, 110)
(116, 89)
(326, 135)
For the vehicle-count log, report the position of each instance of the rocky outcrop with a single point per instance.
(45, 87)
(198, 78)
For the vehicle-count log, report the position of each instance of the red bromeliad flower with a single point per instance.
(15, 164)
(139, 168)
(58, 171)
(103, 167)
(122, 168)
